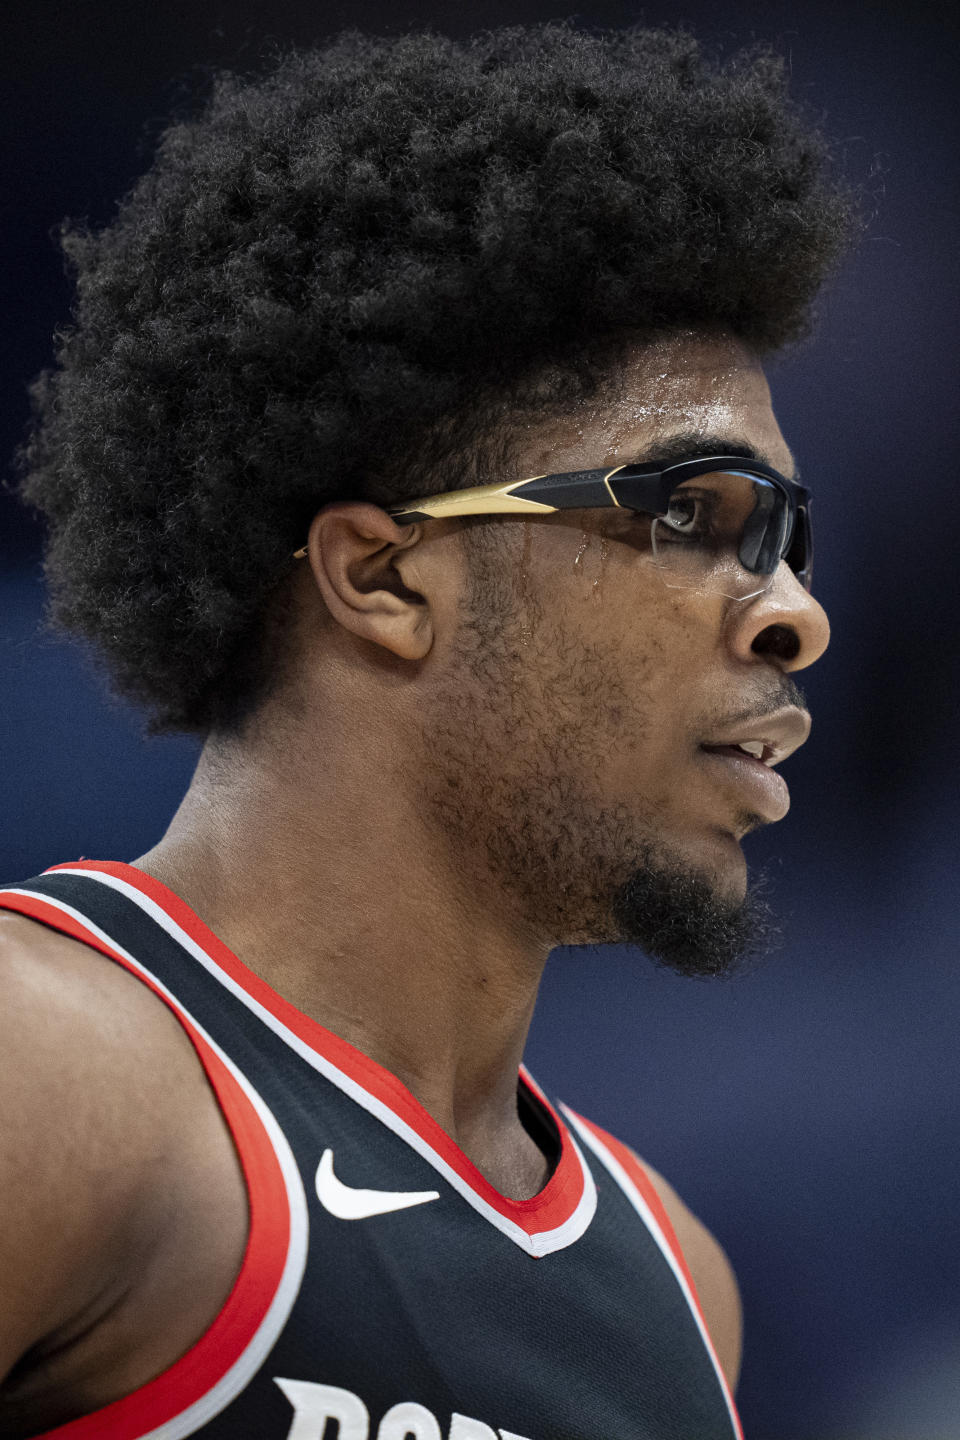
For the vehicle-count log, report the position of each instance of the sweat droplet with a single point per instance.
(526, 634)
(604, 550)
(584, 547)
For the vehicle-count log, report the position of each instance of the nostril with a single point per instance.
(779, 640)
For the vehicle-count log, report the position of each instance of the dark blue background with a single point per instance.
(809, 1112)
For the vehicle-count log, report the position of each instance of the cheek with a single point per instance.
(651, 683)
(617, 659)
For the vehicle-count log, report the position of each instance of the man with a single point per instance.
(412, 446)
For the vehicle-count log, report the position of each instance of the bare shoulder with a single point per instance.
(75, 1133)
(712, 1274)
(72, 1013)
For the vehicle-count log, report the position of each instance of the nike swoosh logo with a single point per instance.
(349, 1204)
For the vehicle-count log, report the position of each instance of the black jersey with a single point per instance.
(388, 1291)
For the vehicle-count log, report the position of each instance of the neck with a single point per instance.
(350, 909)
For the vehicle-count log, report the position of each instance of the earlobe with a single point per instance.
(351, 550)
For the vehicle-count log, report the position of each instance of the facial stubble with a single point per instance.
(519, 734)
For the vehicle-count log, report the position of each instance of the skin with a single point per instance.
(529, 745)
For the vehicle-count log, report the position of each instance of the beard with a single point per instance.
(675, 915)
(516, 750)
(584, 876)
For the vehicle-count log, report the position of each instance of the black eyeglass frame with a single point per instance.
(646, 488)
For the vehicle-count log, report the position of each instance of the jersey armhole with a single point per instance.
(223, 1360)
(630, 1175)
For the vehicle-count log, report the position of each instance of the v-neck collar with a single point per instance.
(551, 1220)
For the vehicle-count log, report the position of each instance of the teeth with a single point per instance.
(753, 747)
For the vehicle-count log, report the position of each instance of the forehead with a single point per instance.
(686, 384)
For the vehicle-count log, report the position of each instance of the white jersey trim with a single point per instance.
(539, 1244)
(647, 1216)
(235, 1380)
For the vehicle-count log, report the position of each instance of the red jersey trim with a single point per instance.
(225, 1345)
(640, 1180)
(550, 1210)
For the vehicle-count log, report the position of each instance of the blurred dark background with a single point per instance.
(810, 1112)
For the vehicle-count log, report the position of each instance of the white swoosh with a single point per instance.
(348, 1204)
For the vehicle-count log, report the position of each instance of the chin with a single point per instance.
(722, 862)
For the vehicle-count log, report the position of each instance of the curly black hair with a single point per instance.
(338, 279)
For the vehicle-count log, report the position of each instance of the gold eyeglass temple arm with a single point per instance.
(477, 500)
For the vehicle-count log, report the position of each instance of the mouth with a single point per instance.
(756, 785)
(743, 763)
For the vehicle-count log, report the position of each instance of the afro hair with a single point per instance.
(335, 281)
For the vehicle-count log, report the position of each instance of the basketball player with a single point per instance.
(412, 446)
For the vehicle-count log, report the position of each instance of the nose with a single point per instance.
(785, 624)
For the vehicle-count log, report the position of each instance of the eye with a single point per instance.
(688, 514)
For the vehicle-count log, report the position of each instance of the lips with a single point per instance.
(749, 777)
(755, 785)
(780, 732)
(765, 750)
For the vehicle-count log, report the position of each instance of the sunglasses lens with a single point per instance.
(724, 532)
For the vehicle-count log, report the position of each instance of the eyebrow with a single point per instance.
(694, 445)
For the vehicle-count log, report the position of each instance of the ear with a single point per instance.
(352, 548)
